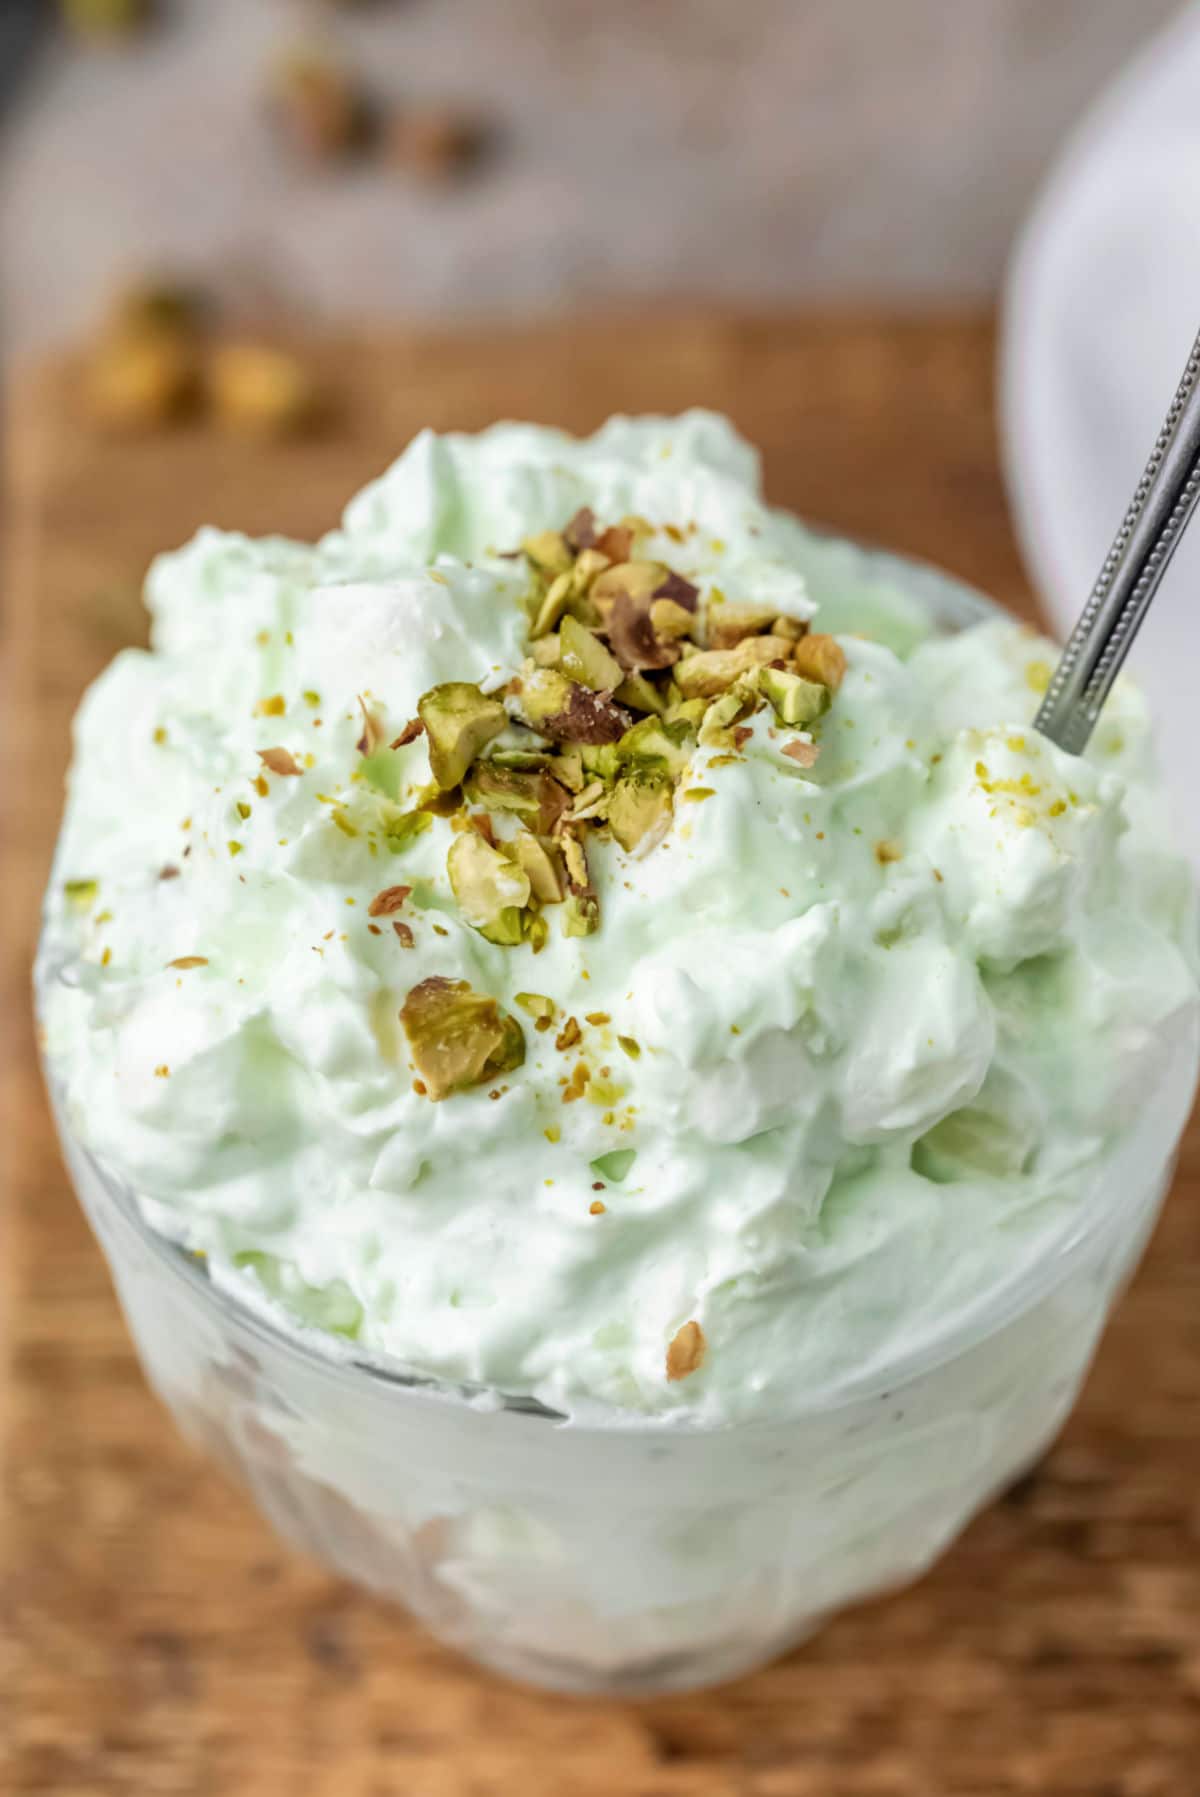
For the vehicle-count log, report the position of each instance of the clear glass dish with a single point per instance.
(637, 1556)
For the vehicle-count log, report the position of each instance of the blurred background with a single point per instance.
(503, 157)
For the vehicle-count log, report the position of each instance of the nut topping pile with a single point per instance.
(626, 675)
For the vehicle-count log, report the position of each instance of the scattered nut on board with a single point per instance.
(318, 106)
(133, 383)
(260, 391)
(144, 368)
(154, 360)
(434, 143)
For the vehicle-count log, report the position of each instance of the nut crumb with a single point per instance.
(280, 761)
(686, 1351)
(389, 900)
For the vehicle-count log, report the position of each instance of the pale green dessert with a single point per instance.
(524, 935)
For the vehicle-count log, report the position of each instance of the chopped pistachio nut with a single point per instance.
(81, 895)
(589, 563)
(615, 1165)
(584, 658)
(654, 746)
(640, 809)
(553, 605)
(549, 551)
(713, 671)
(581, 915)
(540, 1008)
(638, 581)
(739, 701)
(458, 1037)
(565, 711)
(491, 890)
(729, 623)
(459, 721)
(531, 795)
(794, 698)
(538, 863)
(821, 658)
(401, 828)
(670, 620)
(641, 694)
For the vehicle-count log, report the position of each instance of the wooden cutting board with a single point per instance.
(154, 1639)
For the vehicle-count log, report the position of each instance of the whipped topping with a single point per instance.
(858, 1034)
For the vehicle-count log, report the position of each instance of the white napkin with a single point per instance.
(1103, 305)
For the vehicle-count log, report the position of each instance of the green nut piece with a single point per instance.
(491, 890)
(714, 671)
(537, 861)
(639, 580)
(639, 810)
(795, 700)
(401, 828)
(544, 694)
(459, 1037)
(549, 552)
(640, 694)
(588, 564)
(600, 761)
(531, 794)
(459, 721)
(729, 623)
(584, 658)
(581, 915)
(566, 710)
(654, 746)
(553, 605)
(687, 711)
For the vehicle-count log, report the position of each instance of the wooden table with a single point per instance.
(154, 1639)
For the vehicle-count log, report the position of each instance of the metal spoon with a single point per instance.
(1166, 497)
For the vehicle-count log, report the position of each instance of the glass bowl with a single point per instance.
(635, 1556)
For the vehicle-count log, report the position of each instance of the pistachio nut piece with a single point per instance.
(581, 915)
(537, 861)
(491, 890)
(654, 746)
(639, 581)
(549, 552)
(459, 721)
(729, 623)
(713, 671)
(583, 657)
(639, 810)
(530, 793)
(640, 694)
(795, 699)
(822, 658)
(458, 1037)
(565, 711)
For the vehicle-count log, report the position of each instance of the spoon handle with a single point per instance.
(1166, 497)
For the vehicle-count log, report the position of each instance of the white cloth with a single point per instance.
(1102, 308)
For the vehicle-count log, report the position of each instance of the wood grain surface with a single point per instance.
(154, 1639)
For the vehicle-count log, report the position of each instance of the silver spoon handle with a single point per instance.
(1166, 497)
